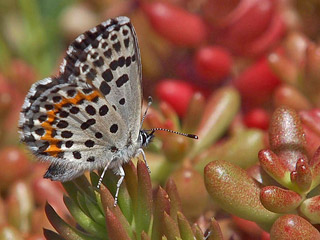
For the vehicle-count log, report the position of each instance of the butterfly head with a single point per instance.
(146, 137)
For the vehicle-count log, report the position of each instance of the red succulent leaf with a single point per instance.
(293, 227)
(311, 209)
(270, 37)
(287, 95)
(177, 93)
(175, 24)
(144, 236)
(114, 226)
(274, 166)
(286, 137)
(315, 166)
(213, 63)
(108, 205)
(257, 83)
(302, 176)
(246, 226)
(161, 205)
(215, 231)
(257, 118)
(175, 201)
(65, 230)
(279, 200)
(144, 198)
(310, 120)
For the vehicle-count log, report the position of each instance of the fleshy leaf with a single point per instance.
(171, 229)
(195, 109)
(83, 220)
(144, 207)
(50, 235)
(94, 211)
(315, 166)
(218, 114)
(241, 149)
(144, 236)
(302, 176)
(193, 194)
(184, 227)
(311, 209)
(108, 204)
(175, 202)
(198, 234)
(236, 192)
(275, 167)
(215, 231)
(83, 184)
(66, 231)
(131, 180)
(286, 137)
(293, 227)
(115, 228)
(279, 200)
(161, 205)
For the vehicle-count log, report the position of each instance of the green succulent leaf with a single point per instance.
(184, 227)
(84, 220)
(65, 230)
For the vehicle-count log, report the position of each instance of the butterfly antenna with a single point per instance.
(171, 131)
(145, 113)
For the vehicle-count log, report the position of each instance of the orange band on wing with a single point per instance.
(53, 149)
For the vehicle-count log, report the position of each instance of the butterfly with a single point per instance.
(89, 116)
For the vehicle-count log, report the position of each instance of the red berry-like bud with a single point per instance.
(176, 93)
(213, 63)
(175, 24)
(257, 83)
(257, 118)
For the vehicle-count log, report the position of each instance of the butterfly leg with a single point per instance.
(140, 150)
(122, 174)
(102, 175)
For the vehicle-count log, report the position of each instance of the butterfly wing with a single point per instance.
(77, 119)
(109, 58)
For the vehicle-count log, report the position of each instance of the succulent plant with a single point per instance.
(140, 213)
(284, 183)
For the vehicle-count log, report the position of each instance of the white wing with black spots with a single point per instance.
(88, 116)
(108, 57)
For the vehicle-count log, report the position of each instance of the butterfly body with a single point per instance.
(89, 116)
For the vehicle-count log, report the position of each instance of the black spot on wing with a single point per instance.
(122, 80)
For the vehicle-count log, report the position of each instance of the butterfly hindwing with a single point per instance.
(72, 124)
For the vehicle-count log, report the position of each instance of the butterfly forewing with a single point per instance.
(108, 58)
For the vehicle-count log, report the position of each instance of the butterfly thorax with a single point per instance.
(131, 150)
